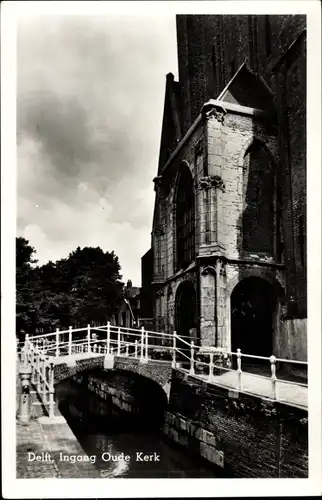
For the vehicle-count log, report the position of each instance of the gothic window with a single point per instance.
(185, 227)
(258, 214)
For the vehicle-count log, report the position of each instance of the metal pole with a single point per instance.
(192, 359)
(239, 370)
(70, 334)
(146, 344)
(33, 363)
(136, 348)
(273, 376)
(44, 388)
(26, 349)
(88, 338)
(211, 367)
(142, 344)
(174, 347)
(108, 339)
(57, 342)
(119, 341)
(51, 391)
(38, 374)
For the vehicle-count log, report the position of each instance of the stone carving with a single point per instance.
(206, 270)
(215, 114)
(158, 230)
(160, 292)
(222, 268)
(211, 181)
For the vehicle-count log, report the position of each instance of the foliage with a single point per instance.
(81, 289)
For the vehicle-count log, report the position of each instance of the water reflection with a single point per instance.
(124, 446)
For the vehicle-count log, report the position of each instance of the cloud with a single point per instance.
(90, 100)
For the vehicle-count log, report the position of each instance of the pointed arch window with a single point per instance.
(185, 219)
(259, 193)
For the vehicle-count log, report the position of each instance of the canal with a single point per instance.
(119, 442)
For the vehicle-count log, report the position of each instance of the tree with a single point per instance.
(25, 285)
(81, 289)
(93, 277)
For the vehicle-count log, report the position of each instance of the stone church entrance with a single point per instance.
(252, 315)
(185, 310)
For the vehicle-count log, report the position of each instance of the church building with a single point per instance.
(227, 264)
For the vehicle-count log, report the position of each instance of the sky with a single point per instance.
(90, 95)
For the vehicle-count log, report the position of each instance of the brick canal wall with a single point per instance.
(246, 435)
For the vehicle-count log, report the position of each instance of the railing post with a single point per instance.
(146, 344)
(239, 370)
(174, 347)
(70, 334)
(88, 338)
(273, 376)
(108, 337)
(127, 350)
(51, 391)
(57, 342)
(38, 374)
(44, 388)
(32, 363)
(26, 350)
(211, 367)
(192, 358)
(119, 341)
(142, 344)
(136, 348)
(95, 347)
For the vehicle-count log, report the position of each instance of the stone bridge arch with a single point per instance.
(156, 371)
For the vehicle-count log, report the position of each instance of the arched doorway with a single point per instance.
(253, 306)
(186, 310)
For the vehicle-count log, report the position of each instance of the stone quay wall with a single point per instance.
(248, 436)
(245, 435)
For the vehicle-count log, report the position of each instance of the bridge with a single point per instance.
(51, 357)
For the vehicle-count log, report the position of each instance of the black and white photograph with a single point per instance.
(161, 240)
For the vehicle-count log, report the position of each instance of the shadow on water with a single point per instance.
(118, 442)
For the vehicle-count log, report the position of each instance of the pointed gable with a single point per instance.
(171, 124)
(247, 89)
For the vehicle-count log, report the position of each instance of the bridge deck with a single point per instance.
(287, 392)
(76, 357)
(292, 394)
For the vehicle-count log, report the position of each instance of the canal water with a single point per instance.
(120, 443)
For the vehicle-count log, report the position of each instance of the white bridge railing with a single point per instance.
(42, 351)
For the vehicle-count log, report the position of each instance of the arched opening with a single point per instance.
(259, 196)
(185, 224)
(186, 310)
(253, 307)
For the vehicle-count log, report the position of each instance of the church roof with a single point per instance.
(172, 114)
(247, 89)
